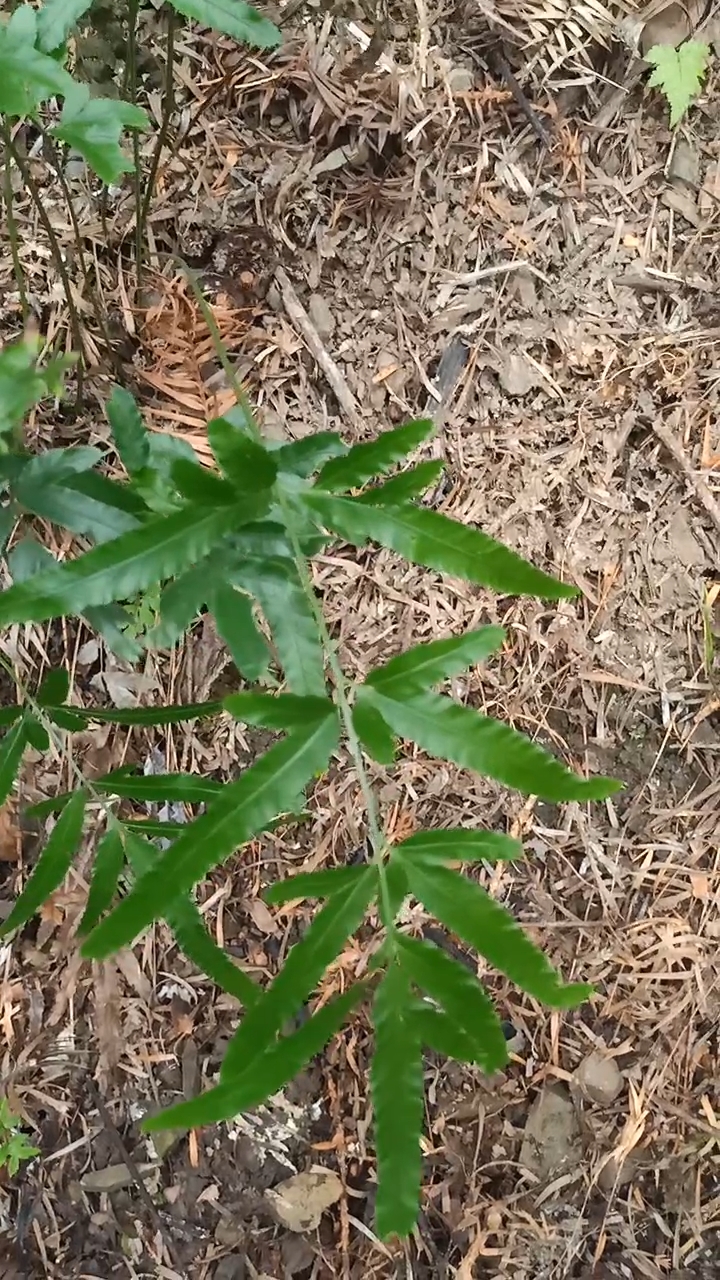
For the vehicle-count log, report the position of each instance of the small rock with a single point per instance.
(230, 1268)
(552, 1133)
(298, 1203)
(164, 1141)
(599, 1078)
(461, 80)
(685, 164)
(112, 1178)
(321, 315)
(517, 375)
(617, 1173)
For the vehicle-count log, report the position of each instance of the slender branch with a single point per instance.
(57, 253)
(168, 108)
(56, 162)
(131, 87)
(13, 237)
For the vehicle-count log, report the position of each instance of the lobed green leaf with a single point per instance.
(374, 735)
(119, 569)
(245, 807)
(304, 966)
(55, 21)
(277, 711)
(128, 429)
(314, 884)
(52, 866)
(460, 994)
(396, 1082)
(365, 461)
(478, 742)
(427, 664)
(458, 844)
(281, 596)
(437, 542)
(466, 909)
(92, 127)
(405, 487)
(265, 1074)
(234, 18)
(107, 868)
(233, 613)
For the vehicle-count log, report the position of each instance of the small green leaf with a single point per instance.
(153, 787)
(279, 592)
(55, 688)
(200, 485)
(437, 542)
(466, 909)
(303, 457)
(245, 807)
(128, 429)
(52, 866)
(22, 383)
(233, 613)
(190, 931)
(54, 465)
(12, 747)
(462, 997)
(265, 1073)
(62, 503)
(37, 735)
(313, 884)
(8, 716)
(458, 844)
(679, 73)
(180, 603)
(473, 741)
(27, 76)
(246, 463)
(375, 736)
(119, 569)
(234, 18)
(428, 664)
(396, 1082)
(55, 21)
(107, 868)
(173, 714)
(365, 461)
(306, 962)
(403, 488)
(277, 711)
(395, 891)
(440, 1032)
(92, 127)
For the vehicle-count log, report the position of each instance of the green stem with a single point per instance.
(342, 687)
(130, 86)
(13, 237)
(56, 162)
(168, 107)
(56, 250)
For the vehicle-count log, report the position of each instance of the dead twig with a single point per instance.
(673, 446)
(305, 327)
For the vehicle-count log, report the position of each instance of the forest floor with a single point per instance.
(387, 241)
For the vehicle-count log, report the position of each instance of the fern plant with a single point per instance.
(238, 542)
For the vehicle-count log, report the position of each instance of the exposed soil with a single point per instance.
(556, 311)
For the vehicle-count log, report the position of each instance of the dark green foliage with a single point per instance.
(236, 544)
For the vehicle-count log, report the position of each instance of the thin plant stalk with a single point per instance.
(56, 162)
(131, 90)
(168, 108)
(12, 227)
(56, 250)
